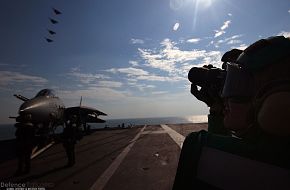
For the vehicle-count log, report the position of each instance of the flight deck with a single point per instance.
(143, 157)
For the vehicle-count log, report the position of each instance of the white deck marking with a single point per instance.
(108, 173)
(41, 150)
(178, 138)
(152, 132)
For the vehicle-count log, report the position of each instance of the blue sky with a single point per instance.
(128, 58)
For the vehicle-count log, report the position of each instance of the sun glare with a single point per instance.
(200, 5)
(205, 3)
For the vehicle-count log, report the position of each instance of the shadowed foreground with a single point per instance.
(107, 159)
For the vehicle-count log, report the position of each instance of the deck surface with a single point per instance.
(143, 157)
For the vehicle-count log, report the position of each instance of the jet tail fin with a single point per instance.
(20, 97)
(81, 101)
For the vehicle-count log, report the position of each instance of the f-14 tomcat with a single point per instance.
(47, 111)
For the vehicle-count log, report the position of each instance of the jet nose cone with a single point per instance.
(28, 107)
(25, 107)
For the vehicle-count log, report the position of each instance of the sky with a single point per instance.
(129, 58)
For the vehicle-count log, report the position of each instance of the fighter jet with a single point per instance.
(51, 32)
(57, 12)
(48, 40)
(46, 111)
(53, 21)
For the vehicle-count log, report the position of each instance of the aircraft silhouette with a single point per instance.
(48, 40)
(47, 112)
(57, 12)
(51, 32)
(53, 21)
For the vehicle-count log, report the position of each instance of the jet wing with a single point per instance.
(20, 97)
(87, 114)
(93, 119)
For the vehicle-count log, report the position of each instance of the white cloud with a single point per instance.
(159, 92)
(86, 78)
(134, 63)
(230, 14)
(222, 29)
(176, 26)
(9, 77)
(171, 59)
(283, 33)
(140, 74)
(218, 33)
(193, 40)
(233, 40)
(159, 78)
(99, 93)
(130, 71)
(137, 41)
(241, 47)
(109, 84)
(143, 87)
(176, 4)
(226, 25)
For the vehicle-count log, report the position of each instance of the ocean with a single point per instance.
(7, 131)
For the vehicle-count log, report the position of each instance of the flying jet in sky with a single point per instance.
(57, 12)
(53, 21)
(46, 111)
(48, 40)
(51, 32)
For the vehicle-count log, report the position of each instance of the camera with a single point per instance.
(207, 76)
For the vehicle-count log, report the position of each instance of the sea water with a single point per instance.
(7, 131)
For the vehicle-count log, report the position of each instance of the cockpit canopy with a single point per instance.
(46, 93)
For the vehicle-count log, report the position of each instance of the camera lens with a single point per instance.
(198, 75)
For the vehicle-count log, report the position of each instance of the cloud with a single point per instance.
(135, 74)
(283, 33)
(159, 92)
(233, 40)
(109, 84)
(218, 33)
(241, 47)
(176, 26)
(137, 41)
(130, 71)
(134, 63)
(8, 77)
(159, 78)
(222, 29)
(86, 78)
(3, 64)
(176, 4)
(193, 40)
(174, 61)
(226, 25)
(95, 93)
(143, 87)
(230, 14)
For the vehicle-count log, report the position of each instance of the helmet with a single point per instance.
(266, 65)
(264, 53)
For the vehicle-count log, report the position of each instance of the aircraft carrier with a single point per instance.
(142, 157)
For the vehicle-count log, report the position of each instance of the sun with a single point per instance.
(204, 3)
(179, 4)
(200, 5)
